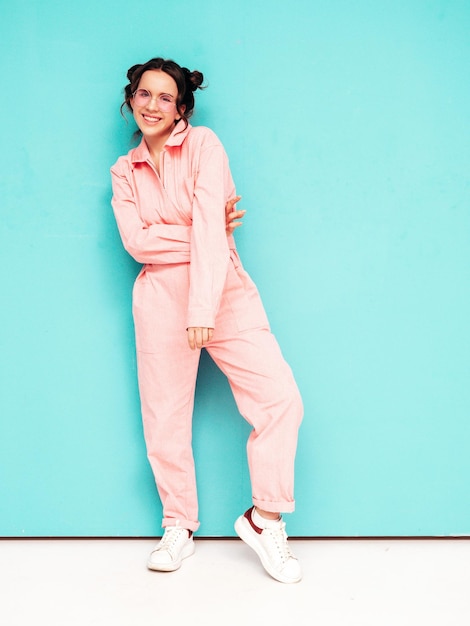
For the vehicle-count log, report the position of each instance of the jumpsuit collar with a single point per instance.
(178, 135)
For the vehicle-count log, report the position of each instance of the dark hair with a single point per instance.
(187, 82)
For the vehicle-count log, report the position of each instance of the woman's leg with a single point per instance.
(264, 388)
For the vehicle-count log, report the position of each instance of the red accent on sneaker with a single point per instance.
(252, 524)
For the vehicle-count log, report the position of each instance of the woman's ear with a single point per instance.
(181, 111)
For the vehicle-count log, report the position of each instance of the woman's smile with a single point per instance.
(151, 119)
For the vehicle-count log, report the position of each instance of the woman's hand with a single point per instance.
(231, 215)
(198, 337)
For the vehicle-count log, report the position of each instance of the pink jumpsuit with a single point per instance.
(174, 223)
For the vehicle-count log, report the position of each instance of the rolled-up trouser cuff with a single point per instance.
(275, 507)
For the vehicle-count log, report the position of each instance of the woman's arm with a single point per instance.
(209, 245)
(198, 337)
(158, 243)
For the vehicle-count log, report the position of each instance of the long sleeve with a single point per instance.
(209, 244)
(155, 243)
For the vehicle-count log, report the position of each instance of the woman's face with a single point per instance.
(154, 105)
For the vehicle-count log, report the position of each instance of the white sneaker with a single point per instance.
(173, 547)
(270, 544)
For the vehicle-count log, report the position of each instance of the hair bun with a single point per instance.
(131, 70)
(194, 79)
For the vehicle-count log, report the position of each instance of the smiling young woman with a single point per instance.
(172, 197)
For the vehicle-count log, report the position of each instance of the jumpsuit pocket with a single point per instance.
(243, 297)
(159, 307)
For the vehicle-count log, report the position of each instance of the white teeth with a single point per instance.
(151, 119)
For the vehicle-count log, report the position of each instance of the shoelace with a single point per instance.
(279, 538)
(171, 537)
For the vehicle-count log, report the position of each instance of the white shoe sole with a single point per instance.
(187, 551)
(245, 532)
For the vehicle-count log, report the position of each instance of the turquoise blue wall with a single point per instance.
(347, 126)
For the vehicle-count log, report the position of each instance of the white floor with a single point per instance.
(69, 582)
